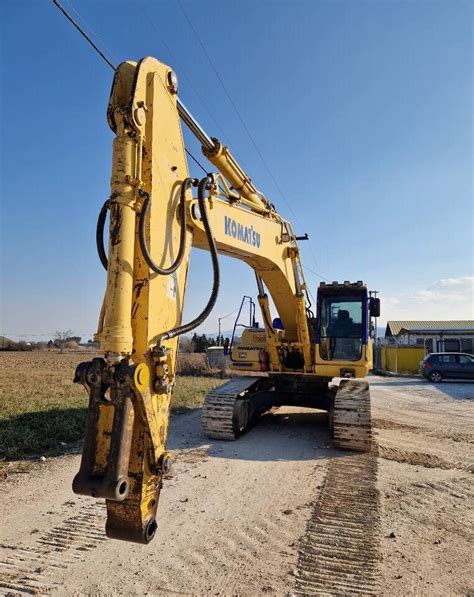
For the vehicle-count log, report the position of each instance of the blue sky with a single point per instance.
(362, 110)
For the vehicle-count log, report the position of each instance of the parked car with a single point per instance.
(440, 365)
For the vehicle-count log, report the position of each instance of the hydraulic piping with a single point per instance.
(182, 240)
(99, 234)
(203, 184)
(183, 329)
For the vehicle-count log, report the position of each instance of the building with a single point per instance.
(433, 336)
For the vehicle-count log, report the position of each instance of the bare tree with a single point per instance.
(186, 345)
(61, 338)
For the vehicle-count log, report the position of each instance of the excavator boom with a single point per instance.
(157, 212)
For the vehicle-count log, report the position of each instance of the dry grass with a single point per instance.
(42, 412)
(195, 363)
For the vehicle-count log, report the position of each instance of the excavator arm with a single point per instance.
(155, 218)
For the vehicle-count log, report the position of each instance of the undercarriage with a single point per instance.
(230, 410)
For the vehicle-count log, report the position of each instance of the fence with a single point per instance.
(401, 359)
(216, 357)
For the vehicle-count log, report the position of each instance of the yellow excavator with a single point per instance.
(157, 212)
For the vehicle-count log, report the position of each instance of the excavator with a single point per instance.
(156, 213)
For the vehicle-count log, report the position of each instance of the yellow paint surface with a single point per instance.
(402, 359)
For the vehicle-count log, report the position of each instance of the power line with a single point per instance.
(234, 106)
(93, 32)
(84, 34)
(196, 160)
(198, 95)
(109, 63)
(239, 116)
(102, 55)
(229, 97)
(229, 314)
(315, 273)
(173, 56)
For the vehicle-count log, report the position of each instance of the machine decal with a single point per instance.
(249, 347)
(246, 234)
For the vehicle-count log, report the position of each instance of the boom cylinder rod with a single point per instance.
(194, 126)
(221, 157)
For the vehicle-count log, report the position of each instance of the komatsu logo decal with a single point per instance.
(244, 233)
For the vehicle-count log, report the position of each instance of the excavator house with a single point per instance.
(157, 212)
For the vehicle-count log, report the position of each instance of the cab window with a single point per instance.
(341, 328)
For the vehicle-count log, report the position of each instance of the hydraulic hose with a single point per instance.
(182, 239)
(99, 234)
(183, 329)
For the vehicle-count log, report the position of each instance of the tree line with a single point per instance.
(200, 342)
(65, 340)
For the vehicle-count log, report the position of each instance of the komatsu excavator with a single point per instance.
(157, 213)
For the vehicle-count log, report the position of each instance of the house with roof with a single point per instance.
(433, 336)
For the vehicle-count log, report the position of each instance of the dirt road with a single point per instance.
(278, 511)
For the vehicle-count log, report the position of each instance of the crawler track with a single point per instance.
(339, 553)
(352, 417)
(226, 411)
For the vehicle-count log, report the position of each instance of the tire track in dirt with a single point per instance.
(444, 497)
(27, 570)
(387, 424)
(339, 553)
(242, 547)
(443, 433)
(233, 555)
(420, 459)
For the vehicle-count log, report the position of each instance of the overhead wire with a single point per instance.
(196, 321)
(83, 33)
(239, 116)
(102, 54)
(189, 153)
(196, 161)
(223, 191)
(103, 43)
(229, 314)
(175, 60)
(315, 273)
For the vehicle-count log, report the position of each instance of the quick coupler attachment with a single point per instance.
(106, 453)
(124, 457)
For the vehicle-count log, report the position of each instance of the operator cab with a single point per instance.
(343, 322)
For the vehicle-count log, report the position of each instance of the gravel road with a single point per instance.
(256, 516)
